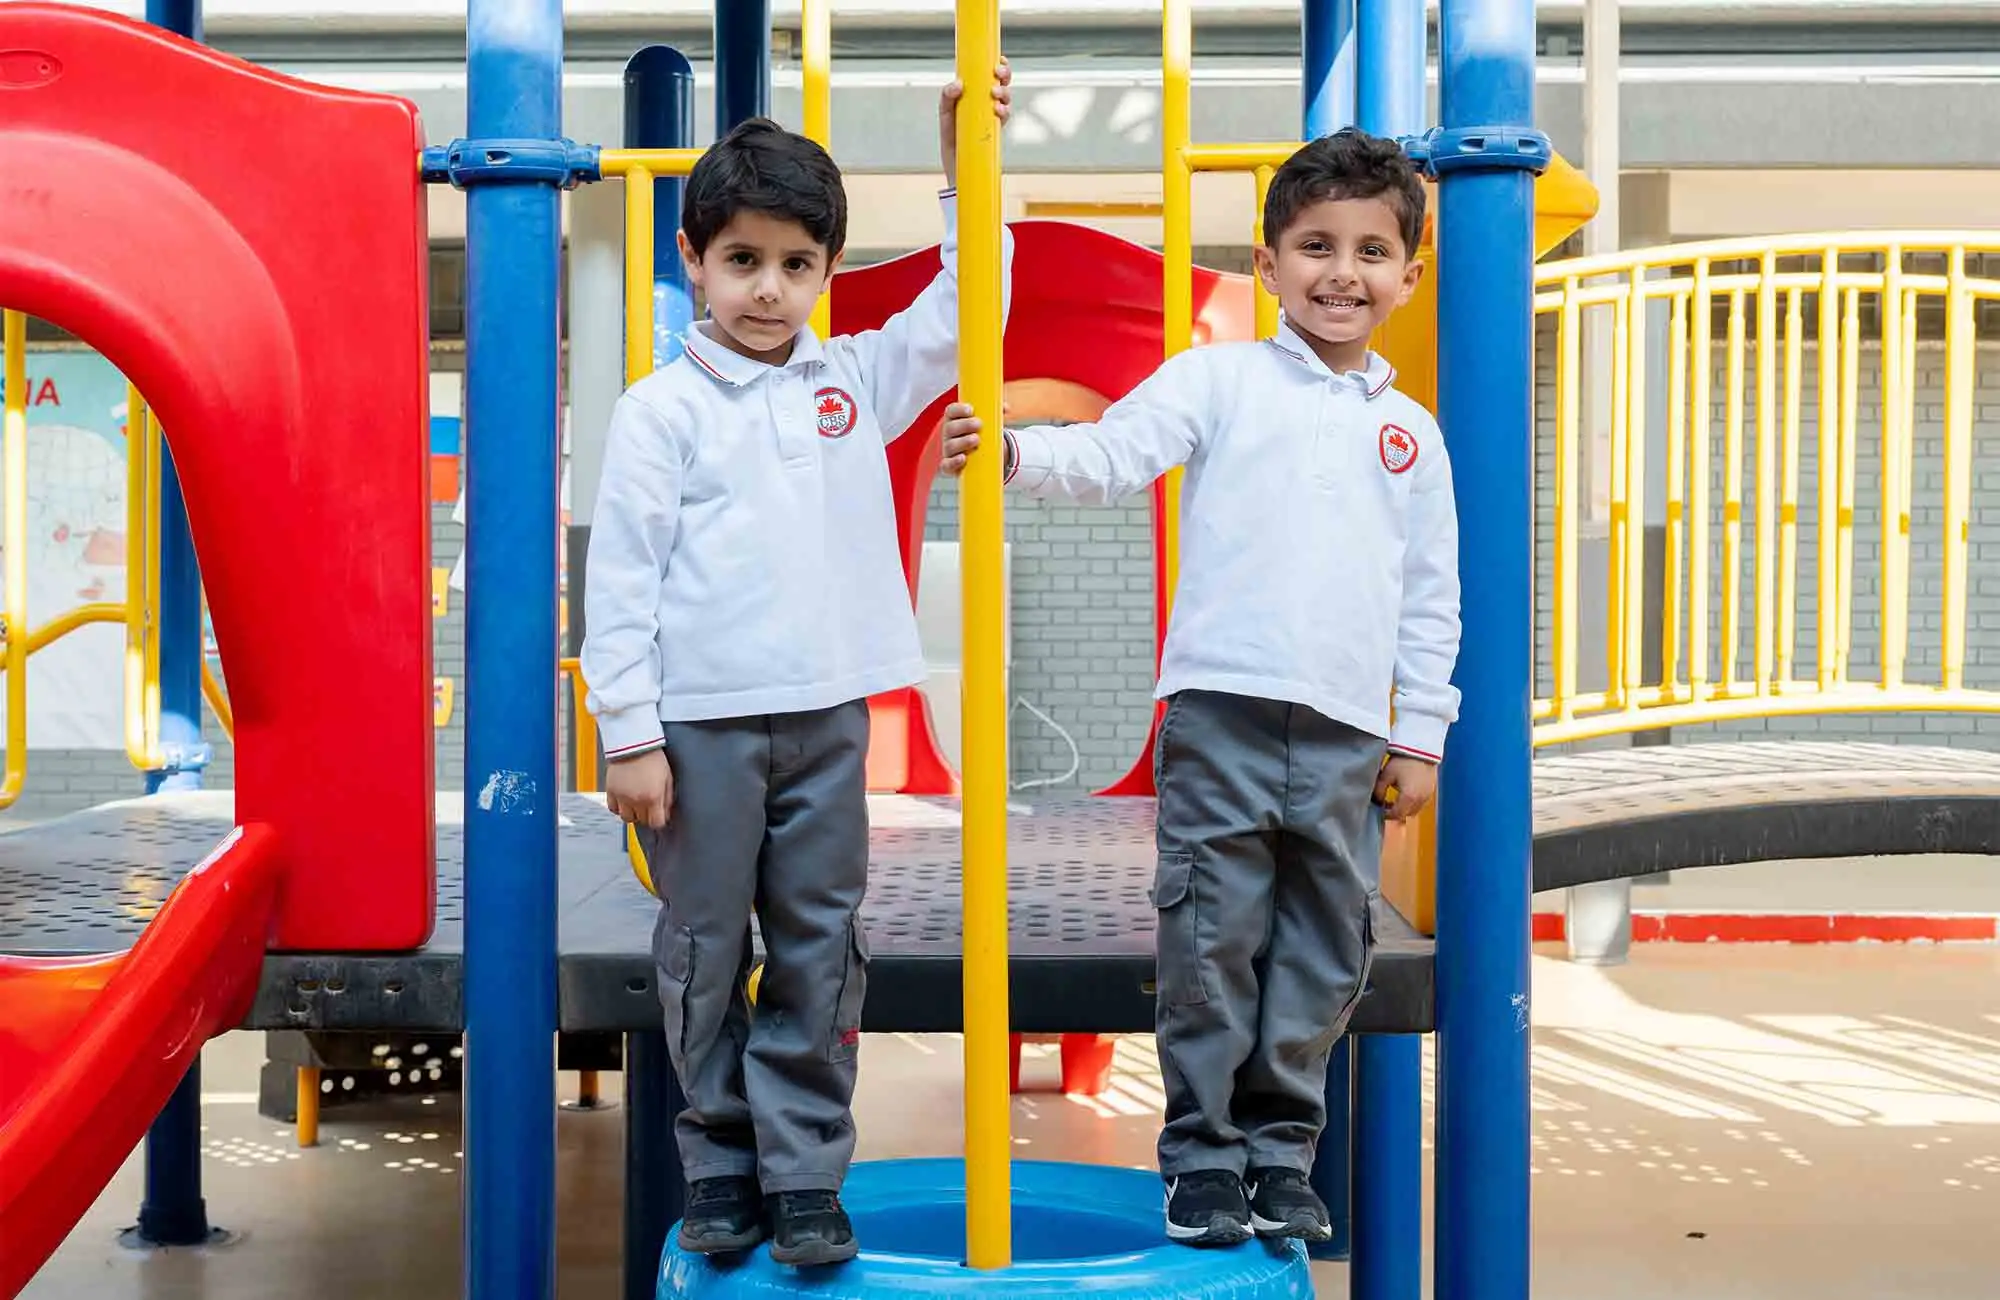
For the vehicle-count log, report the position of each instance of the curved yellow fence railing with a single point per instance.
(1793, 376)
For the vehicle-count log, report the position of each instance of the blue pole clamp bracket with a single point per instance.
(463, 163)
(1480, 148)
(186, 757)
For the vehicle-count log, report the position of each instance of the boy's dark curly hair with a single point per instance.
(1349, 164)
(760, 166)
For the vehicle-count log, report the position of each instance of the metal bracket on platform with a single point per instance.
(1483, 148)
(464, 163)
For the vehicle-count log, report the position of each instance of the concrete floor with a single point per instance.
(1729, 1122)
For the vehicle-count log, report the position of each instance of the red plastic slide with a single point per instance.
(92, 1047)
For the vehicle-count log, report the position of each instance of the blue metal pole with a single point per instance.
(1389, 97)
(1485, 162)
(659, 114)
(173, 1212)
(1327, 87)
(1333, 1162)
(653, 1099)
(1327, 41)
(1388, 1070)
(742, 61)
(513, 245)
(1388, 1168)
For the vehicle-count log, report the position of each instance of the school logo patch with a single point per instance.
(833, 411)
(1399, 448)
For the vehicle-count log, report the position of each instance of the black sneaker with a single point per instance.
(1206, 1208)
(1283, 1204)
(811, 1228)
(723, 1214)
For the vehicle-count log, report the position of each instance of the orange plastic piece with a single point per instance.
(1086, 1063)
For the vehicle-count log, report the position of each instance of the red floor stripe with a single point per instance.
(1790, 927)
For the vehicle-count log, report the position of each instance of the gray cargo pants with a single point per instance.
(1269, 854)
(770, 813)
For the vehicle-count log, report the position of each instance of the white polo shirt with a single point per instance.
(1319, 539)
(743, 554)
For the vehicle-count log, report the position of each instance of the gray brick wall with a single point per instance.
(1082, 601)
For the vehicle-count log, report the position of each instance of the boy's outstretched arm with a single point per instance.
(631, 535)
(913, 357)
(1149, 431)
(1427, 633)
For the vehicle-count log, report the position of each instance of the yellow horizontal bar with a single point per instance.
(1751, 247)
(660, 162)
(1084, 210)
(1796, 699)
(1237, 157)
(62, 625)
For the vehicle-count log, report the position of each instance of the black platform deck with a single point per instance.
(1081, 930)
(1080, 942)
(1612, 814)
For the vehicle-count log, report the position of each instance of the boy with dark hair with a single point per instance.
(745, 597)
(1318, 587)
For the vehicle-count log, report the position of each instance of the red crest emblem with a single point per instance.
(833, 412)
(1399, 448)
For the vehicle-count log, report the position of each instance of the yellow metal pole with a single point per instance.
(816, 51)
(149, 549)
(1176, 246)
(1827, 628)
(138, 615)
(638, 274)
(218, 702)
(1961, 359)
(988, 1142)
(1631, 658)
(1267, 302)
(1765, 562)
(16, 466)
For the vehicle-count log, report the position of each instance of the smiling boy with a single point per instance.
(745, 597)
(1318, 587)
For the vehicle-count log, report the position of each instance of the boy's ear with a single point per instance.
(1413, 274)
(833, 266)
(1266, 263)
(688, 258)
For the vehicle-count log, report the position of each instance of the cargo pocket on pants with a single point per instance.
(1346, 1016)
(676, 977)
(1177, 947)
(853, 994)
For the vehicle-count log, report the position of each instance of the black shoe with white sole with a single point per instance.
(1206, 1208)
(1283, 1204)
(809, 1229)
(723, 1215)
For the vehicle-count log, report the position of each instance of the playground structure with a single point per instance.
(290, 874)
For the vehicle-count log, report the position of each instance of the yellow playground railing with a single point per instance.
(138, 611)
(1785, 360)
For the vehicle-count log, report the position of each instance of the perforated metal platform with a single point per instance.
(1081, 928)
(1616, 813)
